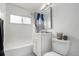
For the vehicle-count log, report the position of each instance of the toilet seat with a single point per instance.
(52, 54)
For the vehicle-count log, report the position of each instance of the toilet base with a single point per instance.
(52, 54)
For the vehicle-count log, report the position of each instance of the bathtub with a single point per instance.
(24, 50)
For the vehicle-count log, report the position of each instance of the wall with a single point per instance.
(66, 20)
(17, 34)
(3, 10)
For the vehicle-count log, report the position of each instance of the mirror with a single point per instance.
(43, 19)
(48, 18)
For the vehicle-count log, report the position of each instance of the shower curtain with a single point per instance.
(1, 38)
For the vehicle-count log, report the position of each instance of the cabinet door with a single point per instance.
(39, 47)
(35, 46)
(46, 43)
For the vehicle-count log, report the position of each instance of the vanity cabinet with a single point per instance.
(42, 43)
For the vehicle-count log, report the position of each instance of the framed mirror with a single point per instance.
(43, 19)
(48, 18)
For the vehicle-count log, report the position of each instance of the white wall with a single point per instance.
(3, 10)
(66, 20)
(17, 34)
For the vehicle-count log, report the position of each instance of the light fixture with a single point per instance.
(48, 3)
(46, 6)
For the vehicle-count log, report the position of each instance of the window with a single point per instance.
(19, 19)
(26, 20)
(15, 19)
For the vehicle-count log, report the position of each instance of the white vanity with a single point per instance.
(42, 43)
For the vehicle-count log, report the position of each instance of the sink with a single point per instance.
(46, 31)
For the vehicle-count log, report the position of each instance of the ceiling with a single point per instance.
(31, 7)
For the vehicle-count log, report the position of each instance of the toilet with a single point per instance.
(59, 48)
(52, 54)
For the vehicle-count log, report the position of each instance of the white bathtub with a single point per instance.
(24, 50)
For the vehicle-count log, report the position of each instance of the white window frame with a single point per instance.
(26, 20)
(12, 21)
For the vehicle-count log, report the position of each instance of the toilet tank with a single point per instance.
(60, 46)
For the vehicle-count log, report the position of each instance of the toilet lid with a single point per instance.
(52, 54)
